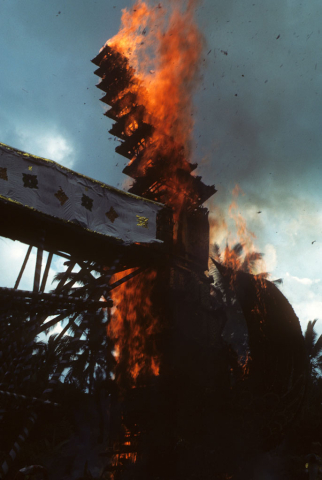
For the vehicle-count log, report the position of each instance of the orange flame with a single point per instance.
(245, 259)
(164, 47)
(165, 50)
(133, 325)
(121, 458)
(245, 364)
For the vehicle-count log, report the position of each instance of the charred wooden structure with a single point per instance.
(231, 369)
(159, 169)
(91, 226)
(209, 407)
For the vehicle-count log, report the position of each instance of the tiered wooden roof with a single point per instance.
(156, 171)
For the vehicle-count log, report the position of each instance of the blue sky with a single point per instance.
(258, 116)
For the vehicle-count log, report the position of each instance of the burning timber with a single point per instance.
(208, 373)
(157, 162)
(230, 370)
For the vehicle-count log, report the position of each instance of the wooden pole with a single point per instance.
(23, 266)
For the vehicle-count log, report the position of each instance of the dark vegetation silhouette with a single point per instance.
(303, 436)
(85, 385)
(304, 440)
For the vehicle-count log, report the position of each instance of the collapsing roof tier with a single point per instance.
(155, 170)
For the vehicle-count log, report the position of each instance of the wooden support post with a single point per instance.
(40, 251)
(38, 269)
(23, 266)
(44, 279)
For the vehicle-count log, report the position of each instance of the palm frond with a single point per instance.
(277, 282)
(317, 349)
(310, 337)
(238, 249)
(64, 276)
(250, 261)
(216, 251)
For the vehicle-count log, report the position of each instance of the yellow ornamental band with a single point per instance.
(142, 221)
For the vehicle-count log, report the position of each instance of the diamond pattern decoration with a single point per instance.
(111, 214)
(87, 202)
(61, 195)
(3, 173)
(29, 181)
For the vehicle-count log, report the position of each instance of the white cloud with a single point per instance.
(49, 144)
(270, 257)
(58, 149)
(305, 296)
(303, 281)
(309, 311)
(12, 255)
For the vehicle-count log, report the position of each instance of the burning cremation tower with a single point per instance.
(167, 426)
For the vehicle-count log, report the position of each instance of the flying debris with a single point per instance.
(259, 211)
(278, 36)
